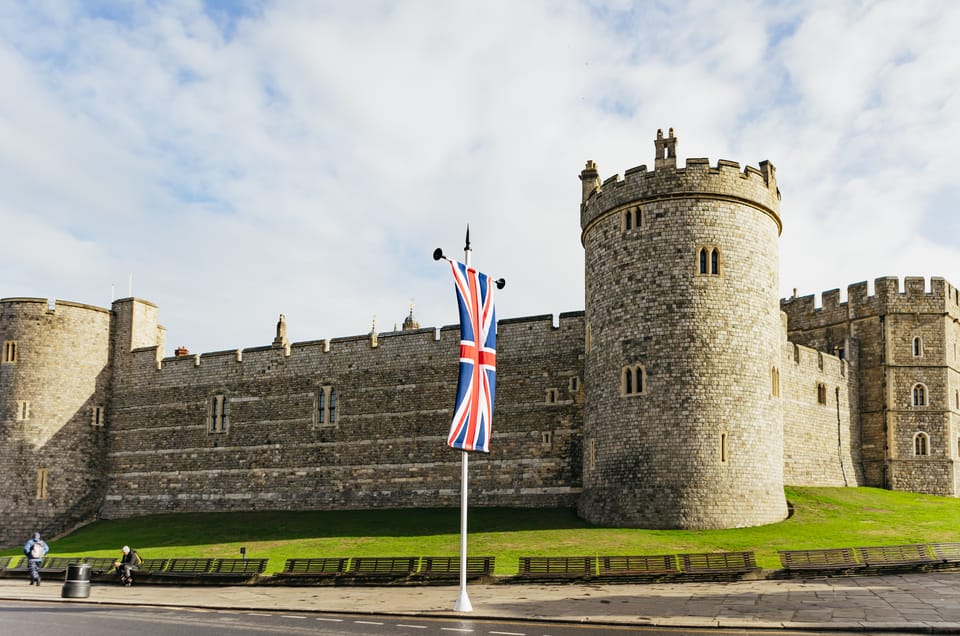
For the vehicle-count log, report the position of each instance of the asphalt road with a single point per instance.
(62, 619)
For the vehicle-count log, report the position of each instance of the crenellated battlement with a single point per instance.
(888, 298)
(43, 305)
(816, 363)
(756, 187)
(387, 344)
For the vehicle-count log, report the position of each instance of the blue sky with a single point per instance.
(306, 158)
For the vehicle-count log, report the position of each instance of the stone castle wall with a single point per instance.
(821, 429)
(48, 394)
(387, 447)
(885, 325)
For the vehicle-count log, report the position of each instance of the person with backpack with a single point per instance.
(35, 549)
(128, 564)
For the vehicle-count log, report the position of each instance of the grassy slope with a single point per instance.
(823, 517)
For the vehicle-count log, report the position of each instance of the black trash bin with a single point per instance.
(77, 583)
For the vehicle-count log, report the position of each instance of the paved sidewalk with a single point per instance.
(909, 603)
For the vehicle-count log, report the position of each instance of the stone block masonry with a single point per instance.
(681, 275)
(53, 388)
(387, 445)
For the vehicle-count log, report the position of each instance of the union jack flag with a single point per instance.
(473, 413)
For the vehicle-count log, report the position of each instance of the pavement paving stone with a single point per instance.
(928, 602)
(850, 612)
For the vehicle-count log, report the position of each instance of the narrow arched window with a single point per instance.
(703, 260)
(775, 382)
(632, 380)
(920, 444)
(325, 402)
(715, 261)
(919, 395)
(9, 351)
(917, 346)
(217, 414)
(723, 447)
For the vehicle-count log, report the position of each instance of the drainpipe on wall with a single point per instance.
(884, 408)
(839, 442)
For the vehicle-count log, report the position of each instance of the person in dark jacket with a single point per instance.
(35, 549)
(128, 564)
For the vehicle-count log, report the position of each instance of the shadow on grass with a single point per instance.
(210, 528)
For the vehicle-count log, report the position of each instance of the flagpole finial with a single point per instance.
(466, 247)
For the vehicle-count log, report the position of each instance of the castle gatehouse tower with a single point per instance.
(682, 426)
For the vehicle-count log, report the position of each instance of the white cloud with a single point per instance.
(307, 158)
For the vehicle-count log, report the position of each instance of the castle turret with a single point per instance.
(54, 389)
(135, 326)
(683, 333)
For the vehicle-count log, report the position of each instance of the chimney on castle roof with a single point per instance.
(666, 156)
(181, 352)
(590, 179)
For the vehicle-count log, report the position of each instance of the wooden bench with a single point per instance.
(56, 565)
(446, 568)
(99, 565)
(718, 563)
(151, 566)
(382, 568)
(896, 556)
(322, 567)
(103, 570)
(557, 567)
(237, 568)
(645, 566)
(946, 552)
(186, 567)
(48, 565)
(819, 560)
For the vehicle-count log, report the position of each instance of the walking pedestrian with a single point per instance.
(35, 549)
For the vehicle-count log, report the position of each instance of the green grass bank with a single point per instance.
(822, 518)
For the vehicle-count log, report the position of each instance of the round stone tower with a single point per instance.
(682, 424)
(54, 381)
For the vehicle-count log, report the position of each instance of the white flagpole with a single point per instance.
(463, 601)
